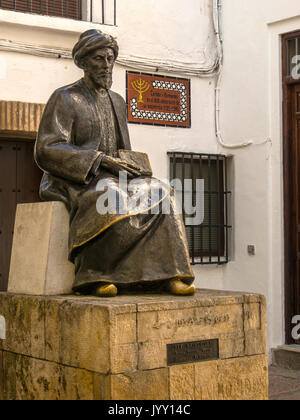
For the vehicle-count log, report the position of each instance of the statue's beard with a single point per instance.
(104, 81)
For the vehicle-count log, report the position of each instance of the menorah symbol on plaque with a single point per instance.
(140, 86)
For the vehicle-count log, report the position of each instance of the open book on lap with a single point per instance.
(139, 159)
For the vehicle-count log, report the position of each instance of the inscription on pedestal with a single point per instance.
(192, 352)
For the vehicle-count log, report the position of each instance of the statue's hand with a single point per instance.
(116, 165)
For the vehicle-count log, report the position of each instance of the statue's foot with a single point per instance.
(106, 290)
(179, 288)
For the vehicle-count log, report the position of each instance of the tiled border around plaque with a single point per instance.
(158, 100)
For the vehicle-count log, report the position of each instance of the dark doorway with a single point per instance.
(291, 158)
(19, 183)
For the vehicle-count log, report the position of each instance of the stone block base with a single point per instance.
(67, 347)
(39, 260)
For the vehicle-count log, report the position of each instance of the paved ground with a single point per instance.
(284, 384)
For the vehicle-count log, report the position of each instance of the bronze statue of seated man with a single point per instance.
(82, 128)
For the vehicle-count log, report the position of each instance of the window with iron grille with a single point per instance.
(208, 241)
(98, 11)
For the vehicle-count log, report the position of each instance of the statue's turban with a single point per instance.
(92, 40)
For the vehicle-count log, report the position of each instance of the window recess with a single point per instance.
(291, 57)
(97, 11)
(208, 241)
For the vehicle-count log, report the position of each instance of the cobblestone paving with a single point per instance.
(284, 384)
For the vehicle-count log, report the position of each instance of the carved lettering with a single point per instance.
(193, 321)
(239, 388)
(207, 320)
(208, 392)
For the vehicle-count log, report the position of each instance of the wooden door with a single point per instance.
(19, 183)
(292, 216)
(295, 125)
(291, 178)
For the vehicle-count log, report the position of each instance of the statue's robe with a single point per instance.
(76, 127)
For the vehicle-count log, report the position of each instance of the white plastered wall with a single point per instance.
(251, 104)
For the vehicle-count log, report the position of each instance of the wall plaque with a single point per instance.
(158, 100)
(193, 352)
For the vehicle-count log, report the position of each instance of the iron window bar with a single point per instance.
(71, 9)
(208, 242)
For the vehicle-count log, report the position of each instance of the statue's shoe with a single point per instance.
(179, 288)
(106, 290)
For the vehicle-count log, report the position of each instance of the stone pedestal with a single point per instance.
(69, 347)
(39, 261)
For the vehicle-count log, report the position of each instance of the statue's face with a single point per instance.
(98, 66)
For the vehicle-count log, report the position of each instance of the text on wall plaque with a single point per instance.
(158, 100)
(192, 352)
